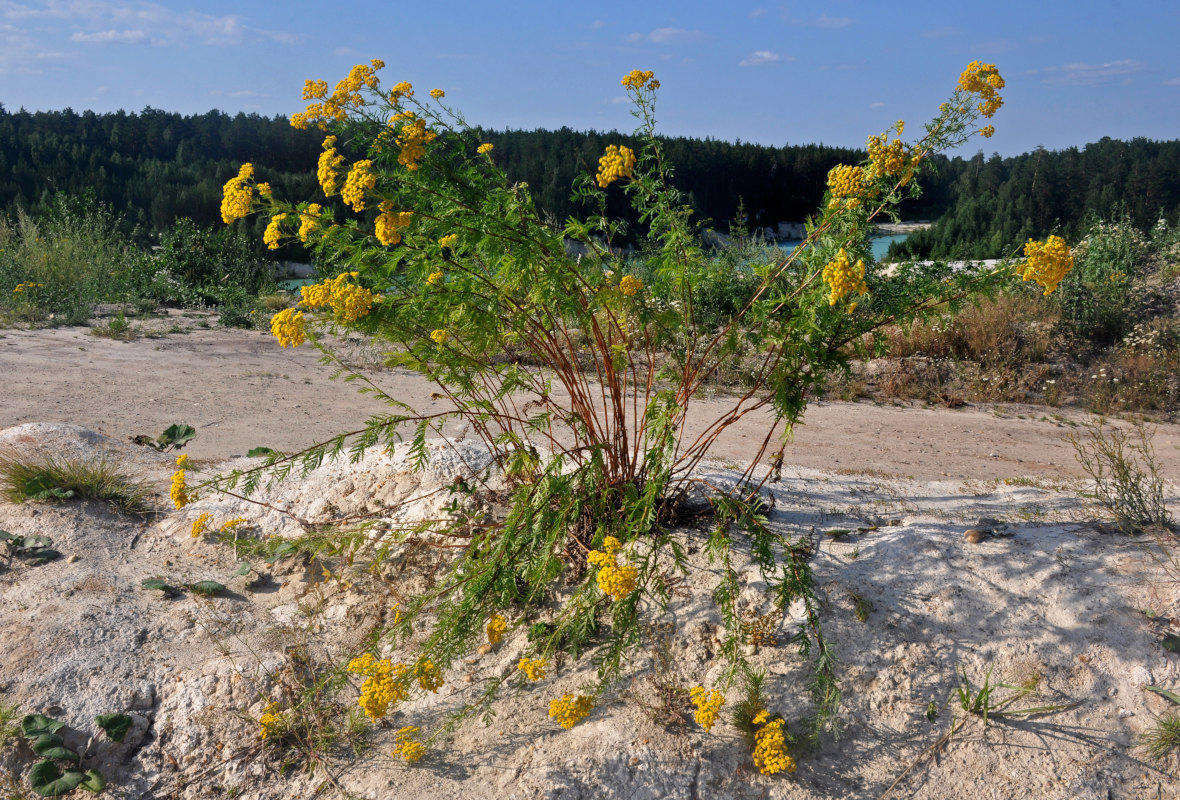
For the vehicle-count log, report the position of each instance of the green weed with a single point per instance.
(47, 478)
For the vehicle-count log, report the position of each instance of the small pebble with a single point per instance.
(484, 649)
(973, 536)
(73, 557)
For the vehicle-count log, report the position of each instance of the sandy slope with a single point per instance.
(1051, 598)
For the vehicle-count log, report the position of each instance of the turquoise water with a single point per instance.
(880, 244)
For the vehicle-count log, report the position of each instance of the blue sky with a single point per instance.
(773, 73)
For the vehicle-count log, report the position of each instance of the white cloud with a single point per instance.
(877, 104)
(138, 22)
(111, 37)
(668, 36)
(757, 12)
(1078, 74)
(596, 25)
(1172, 82)
(822, 21)
(761, 58)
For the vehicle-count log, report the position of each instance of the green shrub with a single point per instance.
(578, 371)
(56, 268)
(1100, 299)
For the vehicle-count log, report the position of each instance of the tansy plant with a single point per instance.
(578, 370)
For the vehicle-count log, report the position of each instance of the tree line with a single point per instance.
(154, 167)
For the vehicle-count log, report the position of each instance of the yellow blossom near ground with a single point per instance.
(179, 491)
(1046, 263)
(496, 628)
(843, 277)
(408, 747)
(182, 461)
(612, 579)
(449, 240)
(383, 684)
(429, 677)
(439, 335)
(770, 746)
(435, 278)
(229, 525)
(270, 722)
(287, 327)
(569, 709)
(21, 287)
(708, 705)
(201, 524)
(619, 162)
(630, 285)
(533, 668)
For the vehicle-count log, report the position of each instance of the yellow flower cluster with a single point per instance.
(315, 90)
(987, 131)
(360, 180)
(229, 525)
(389, 223)
(270, 722)
(334, 108)
(264, 190)
(182, 460)
(309, 221)
(439, 335)
(449, 240)
(179, 491)
(637, 79)
(484, 148)
(496, 628)
(619, 162)
(201, 524)
(327, 172)
(237, 194)
(383, 684)
(614, 580)
(843, 277)
(408, 747)
(429, 678)
(569, 710)
(348, 301)
(400, 90)
(708, 706)
(437, 94)
(630, 285)
(20, 287)
(849, 186)
(1046, 263)
(412, 139)
(287, 327)
(889, 159)
(435, 278)
(984, 80)
(273, 234)
(770, 746)
(533, 668)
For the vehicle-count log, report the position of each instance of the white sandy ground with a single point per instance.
(1057, 597)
